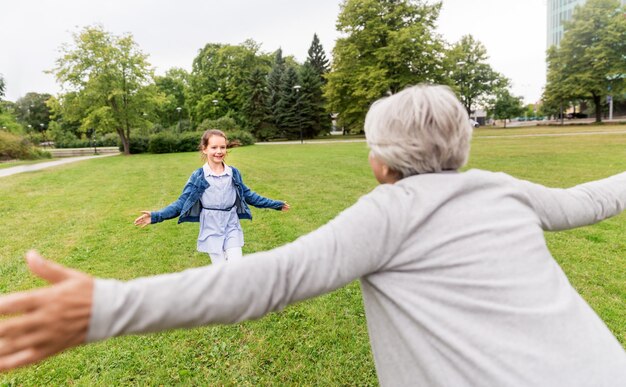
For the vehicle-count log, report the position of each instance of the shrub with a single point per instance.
(165, 142)
(239, 138)
(138, 144)
(16, 147)
(189, 141)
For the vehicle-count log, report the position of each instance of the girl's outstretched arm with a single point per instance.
(144, 219)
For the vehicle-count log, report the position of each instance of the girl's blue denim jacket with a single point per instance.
(188, 205)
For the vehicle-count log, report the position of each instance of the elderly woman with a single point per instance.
(458, 284)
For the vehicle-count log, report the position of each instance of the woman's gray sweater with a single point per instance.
(458, 284)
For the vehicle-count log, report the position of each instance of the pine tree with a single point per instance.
(288, 105)
(255, 108)
(317, 58)
(274, 80)
(311, 111)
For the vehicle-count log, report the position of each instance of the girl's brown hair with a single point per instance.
(204, 141)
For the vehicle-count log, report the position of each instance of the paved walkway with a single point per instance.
(36, 167)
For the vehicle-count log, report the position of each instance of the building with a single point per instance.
(558, 12)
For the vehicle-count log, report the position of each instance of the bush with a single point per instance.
(223, 123)
(239, 138)
(138, 144)
(14, 147)
(165, 142)
(189, 141)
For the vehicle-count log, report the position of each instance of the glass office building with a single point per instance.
(558, 12)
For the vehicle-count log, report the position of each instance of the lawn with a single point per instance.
(81, 215)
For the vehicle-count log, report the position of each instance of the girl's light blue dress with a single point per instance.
(219, 230)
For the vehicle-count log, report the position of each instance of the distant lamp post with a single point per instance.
(43, 134)
(179, 109)
(215, 102)
(297, 89)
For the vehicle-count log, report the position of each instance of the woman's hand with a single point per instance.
(285, 207)
(45, 321)
(144, 220)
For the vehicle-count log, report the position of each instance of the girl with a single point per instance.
(215, 196)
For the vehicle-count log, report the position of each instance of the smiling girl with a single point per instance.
(215, 196)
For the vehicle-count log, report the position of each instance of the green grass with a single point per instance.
(81, 215)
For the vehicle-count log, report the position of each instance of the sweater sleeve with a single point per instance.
(357, 242)
(584, 204)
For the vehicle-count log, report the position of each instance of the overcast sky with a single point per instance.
(172, 32)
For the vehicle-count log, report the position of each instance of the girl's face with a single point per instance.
(215, 150)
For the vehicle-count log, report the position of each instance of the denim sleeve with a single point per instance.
(259, 201)
(174, 209)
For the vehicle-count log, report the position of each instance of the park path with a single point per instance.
(36, 167)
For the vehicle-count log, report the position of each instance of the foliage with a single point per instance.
(311, 105)
(255, 108)
(2, 87)
(589, 64)
(386, 46)
(473, 79)
(15, 147)
(109, 83)
(274, 85)
(33, 112)
(239, 138)
(174, 86)
(164, 142)
(221, 72)
(322, 341)
(9, 124)
(288, 115)
(317, 58)
(507, 106)
(223, 123)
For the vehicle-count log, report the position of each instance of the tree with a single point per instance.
(255, 108)
(31, 111)
(507, 106)
(589, 64)
(317, 58)
(473, 78)
(311, 107)
(2, 87)
(109, 83)
(221, 72)
(288, 116)
(274, 85)
(174, 86)
(387, 45)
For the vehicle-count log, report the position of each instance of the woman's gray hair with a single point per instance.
(421, 129)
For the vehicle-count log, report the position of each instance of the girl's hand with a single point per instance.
(285, 207)
(144, 219)
(45, 321)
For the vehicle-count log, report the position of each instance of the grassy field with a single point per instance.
(81, 215)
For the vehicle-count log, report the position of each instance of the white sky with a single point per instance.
(172, 32)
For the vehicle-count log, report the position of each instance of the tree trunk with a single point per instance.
(125, 142)
(598, 103)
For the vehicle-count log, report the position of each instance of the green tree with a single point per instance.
(221, 72)
(174, 86)
(386, 46)
(589, 64)
(274, 85)
(317, 58)
(288, 115)
(2, 87)
(507, 106)
(311, 110)
(32, 111)
(109, 81)
(255, 108)
(472, 77)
